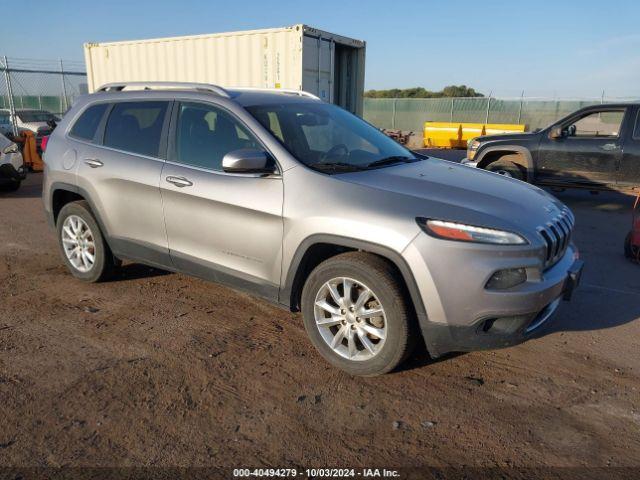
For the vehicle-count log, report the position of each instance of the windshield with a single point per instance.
(322, 135)
(35, 116)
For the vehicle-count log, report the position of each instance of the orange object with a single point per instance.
(30, 155)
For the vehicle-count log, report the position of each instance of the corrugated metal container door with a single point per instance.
(266, 58)
(317, 67)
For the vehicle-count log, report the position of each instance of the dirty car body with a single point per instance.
(596, 147)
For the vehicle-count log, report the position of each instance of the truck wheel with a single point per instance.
(506, 166)
(83, 248)
(356, 314)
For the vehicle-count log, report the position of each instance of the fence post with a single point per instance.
(63, 103)
(12, 107)
(451, 116)
(520, 109)
(486, 117)
(393, 113)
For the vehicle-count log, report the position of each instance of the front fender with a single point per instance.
(507, 148)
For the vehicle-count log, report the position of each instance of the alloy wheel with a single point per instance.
(350, 318)
(78, 243)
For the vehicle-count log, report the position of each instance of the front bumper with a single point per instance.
(502, 330)
(462, 315)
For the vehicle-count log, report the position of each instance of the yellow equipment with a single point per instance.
(30, 156)
(456, 135)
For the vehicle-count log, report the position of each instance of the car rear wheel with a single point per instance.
(507, 167)
(83, 248)
(356, 314)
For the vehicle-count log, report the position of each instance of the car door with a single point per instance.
(587, 151)
(221, 226)
(120, 172)
(629, 171)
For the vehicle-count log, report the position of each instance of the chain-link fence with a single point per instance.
(411, 113)
(52, 85)
(44, 85)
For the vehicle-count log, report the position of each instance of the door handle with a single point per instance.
(93, 163)
(179, 181)
(610, 147)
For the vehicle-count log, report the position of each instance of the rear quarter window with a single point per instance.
(86, 126)
(136, 127)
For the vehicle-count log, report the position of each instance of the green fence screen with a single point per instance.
(411, 113)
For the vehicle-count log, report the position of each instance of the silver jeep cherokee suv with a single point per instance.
(298, 201)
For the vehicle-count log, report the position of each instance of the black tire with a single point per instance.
(10, 186)
(103, 265)
(381, 278)
(629, 251)
(507, 166)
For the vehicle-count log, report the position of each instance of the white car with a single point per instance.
(12, 169)
(36, 121)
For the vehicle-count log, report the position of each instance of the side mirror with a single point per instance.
(556, 132)
(247, 160)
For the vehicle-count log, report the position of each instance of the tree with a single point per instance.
(420, 92)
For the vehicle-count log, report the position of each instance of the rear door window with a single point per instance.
(86, 126)
(136, 127)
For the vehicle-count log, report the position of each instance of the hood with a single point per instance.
(449, 191)
(35, 127)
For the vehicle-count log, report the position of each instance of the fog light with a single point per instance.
(508, 278)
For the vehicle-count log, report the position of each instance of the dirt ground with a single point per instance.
(158, 369)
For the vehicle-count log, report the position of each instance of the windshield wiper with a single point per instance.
(338, 166)
(391, 160)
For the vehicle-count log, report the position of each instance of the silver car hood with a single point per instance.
(459, 193)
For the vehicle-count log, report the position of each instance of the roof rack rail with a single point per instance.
(300, 93)
(205, 87)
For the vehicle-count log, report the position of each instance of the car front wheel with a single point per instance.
(507, 167)
(356, 314)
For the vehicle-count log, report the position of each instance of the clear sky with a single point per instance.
(547, 48)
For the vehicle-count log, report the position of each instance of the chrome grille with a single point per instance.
(557, 235)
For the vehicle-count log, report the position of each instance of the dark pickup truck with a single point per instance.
(597, 148)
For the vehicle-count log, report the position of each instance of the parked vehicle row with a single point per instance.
(40, 122)
(597, 148)
(307, 205)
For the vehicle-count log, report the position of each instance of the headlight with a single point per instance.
(472, 147)
(13, 148)
(469, 233)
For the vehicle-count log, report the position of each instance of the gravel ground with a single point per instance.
(159, 369)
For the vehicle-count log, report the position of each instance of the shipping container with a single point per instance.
(298, 57)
